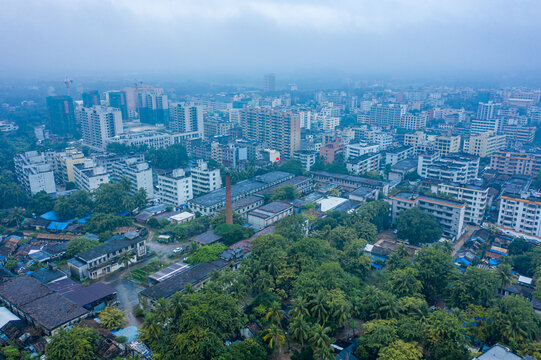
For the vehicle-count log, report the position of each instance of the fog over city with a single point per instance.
(404, 38)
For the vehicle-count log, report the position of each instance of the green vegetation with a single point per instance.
(418, 227)
(285, 192)
(112, 317)
(79, 245)
(171, 157)
(181, 232)
(293, 166)
(141, 274)
(232, 233)
(76, 205)
(206, 253)
(77, 343)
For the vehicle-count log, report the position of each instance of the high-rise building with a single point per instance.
(270, 82)
(100, 123)
(137, 172)
(153, 107)
(186, 118)
(385, 115)
(61, 115)
(484, 144)
(481, 126)
(34, 172)
(205, 180)
(118, 99)
(280, 130)
(91, 98)
(64, 162)
(488, 110)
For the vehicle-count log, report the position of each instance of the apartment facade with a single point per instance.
(396, 155)
(475, 197)
(360, 149)
(307, 158)
(455, 168)
(138, 173)
(520, 214)
(362, 164)
(512, 163)
(99, 123)
(175, 188)
(34, 172)
(484, 144)
(88, 176)
(64, 162)
(205, 180)
(449, 214)
(186, 118)
(447, 144)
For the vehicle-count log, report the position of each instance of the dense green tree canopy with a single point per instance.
(418, 227)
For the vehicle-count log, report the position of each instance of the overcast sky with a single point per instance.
(354, 36)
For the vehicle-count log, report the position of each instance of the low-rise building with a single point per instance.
(360, 149)
(34, 172)
(456, 168)
(393, 156)
(449, 213)
(40, 306)
(267, 215)
(175, 188)
(350, 182)
(104, 259)
(364, 163)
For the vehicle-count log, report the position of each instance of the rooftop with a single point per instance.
(208, 237)
(109, 247)
(82, 295)
(409, 196)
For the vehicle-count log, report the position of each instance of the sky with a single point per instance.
(393, 37)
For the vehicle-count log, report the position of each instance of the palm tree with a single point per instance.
(318, 307)
(274, 336)
(161, 311)
(299, 329)
(505, 275)
(125, 259)
(275, 314)
(320, 341)
(300, 307)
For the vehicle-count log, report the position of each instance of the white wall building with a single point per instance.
(356, 150)
(138, 172)
(475, 197)
(186, 118)
(88, 176)
(99, 123)
(484, 144)
(175, 188)
(34, 172)
(205, 180)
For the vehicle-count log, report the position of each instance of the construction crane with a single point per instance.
(68, 82)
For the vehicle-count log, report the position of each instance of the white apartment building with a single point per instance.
(398, 154)
(413, 121)
(186, 118)
(485, 144)
(205, 180)
(138, 173)
(456, 168)
(98, 124)
(449, 213)
(34, 172)
(480, 126)
(330, 123)
(384, 140)
(414, 139)
(476, 199)
(364, 163)
(175, 188)
(447, 144)
(356, 150)
(520, 214)
(305, 119)
(308, 158)
(88, 176)
(149, 138)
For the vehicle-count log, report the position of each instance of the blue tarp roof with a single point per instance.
(50, 215)
(493, 262)
(129, 332)
(463, 260)
(84, 220)
(56, 225)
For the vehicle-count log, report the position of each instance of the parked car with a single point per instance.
(177, 250)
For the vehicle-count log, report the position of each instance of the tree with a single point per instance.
(274, 337)
(125, 259)
(168, 158)
(378, 334)
(444, 337)
(418, 227)
(401, 350)
(232, 234)
(293, 227)
(299, 329)
(80, 244)
(285, 192)
(404, 282)
(275, 314)
(293, 166)
(505, 275)
(11, 353)
(77, 205)
(372, 175)
(476, 286)
(243, 350)
(206, 253)
(77, 343)
(219, 219)
(320, 342)
(435, 268)
(112, 317)
(519, 246)
(41, 203)
(11, 263)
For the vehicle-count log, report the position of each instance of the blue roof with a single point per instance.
(129, 332)
(493, 262)
(84, 220)
(56, 225)
(463, 260)
(50, 215)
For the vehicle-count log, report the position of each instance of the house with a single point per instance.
(104, 259)
(206, 238)
(195, 277)
(268, 214)
(49, 275)
(94, 298)
(40, 306)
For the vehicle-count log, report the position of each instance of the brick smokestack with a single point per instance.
(228, 202)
